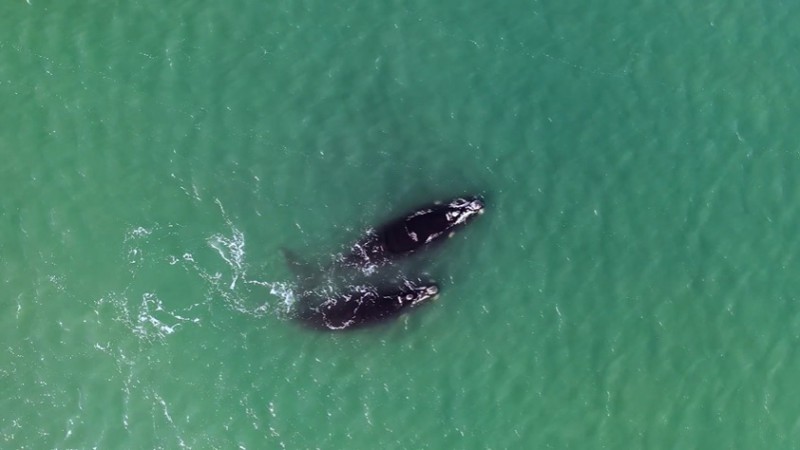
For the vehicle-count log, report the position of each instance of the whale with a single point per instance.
(364, 305)
(412, 232)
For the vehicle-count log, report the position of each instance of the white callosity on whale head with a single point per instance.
(432, 237)
(463, 209)
(424, 293)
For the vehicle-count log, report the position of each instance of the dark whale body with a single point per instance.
(412, 232)
(365, 305)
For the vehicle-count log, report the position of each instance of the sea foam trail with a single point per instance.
(153, 315)
(231, 249)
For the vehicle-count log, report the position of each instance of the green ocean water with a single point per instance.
(633, 284)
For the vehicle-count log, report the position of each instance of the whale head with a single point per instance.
(418, 294)
(462, 209)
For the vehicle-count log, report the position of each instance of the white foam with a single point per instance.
(282, 290)
(230, 249)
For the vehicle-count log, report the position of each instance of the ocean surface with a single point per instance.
(634, 283)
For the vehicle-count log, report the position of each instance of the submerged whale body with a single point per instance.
(361, 305)
(412, 232)
(365, 305)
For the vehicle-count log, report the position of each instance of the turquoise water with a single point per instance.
(632, 285)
